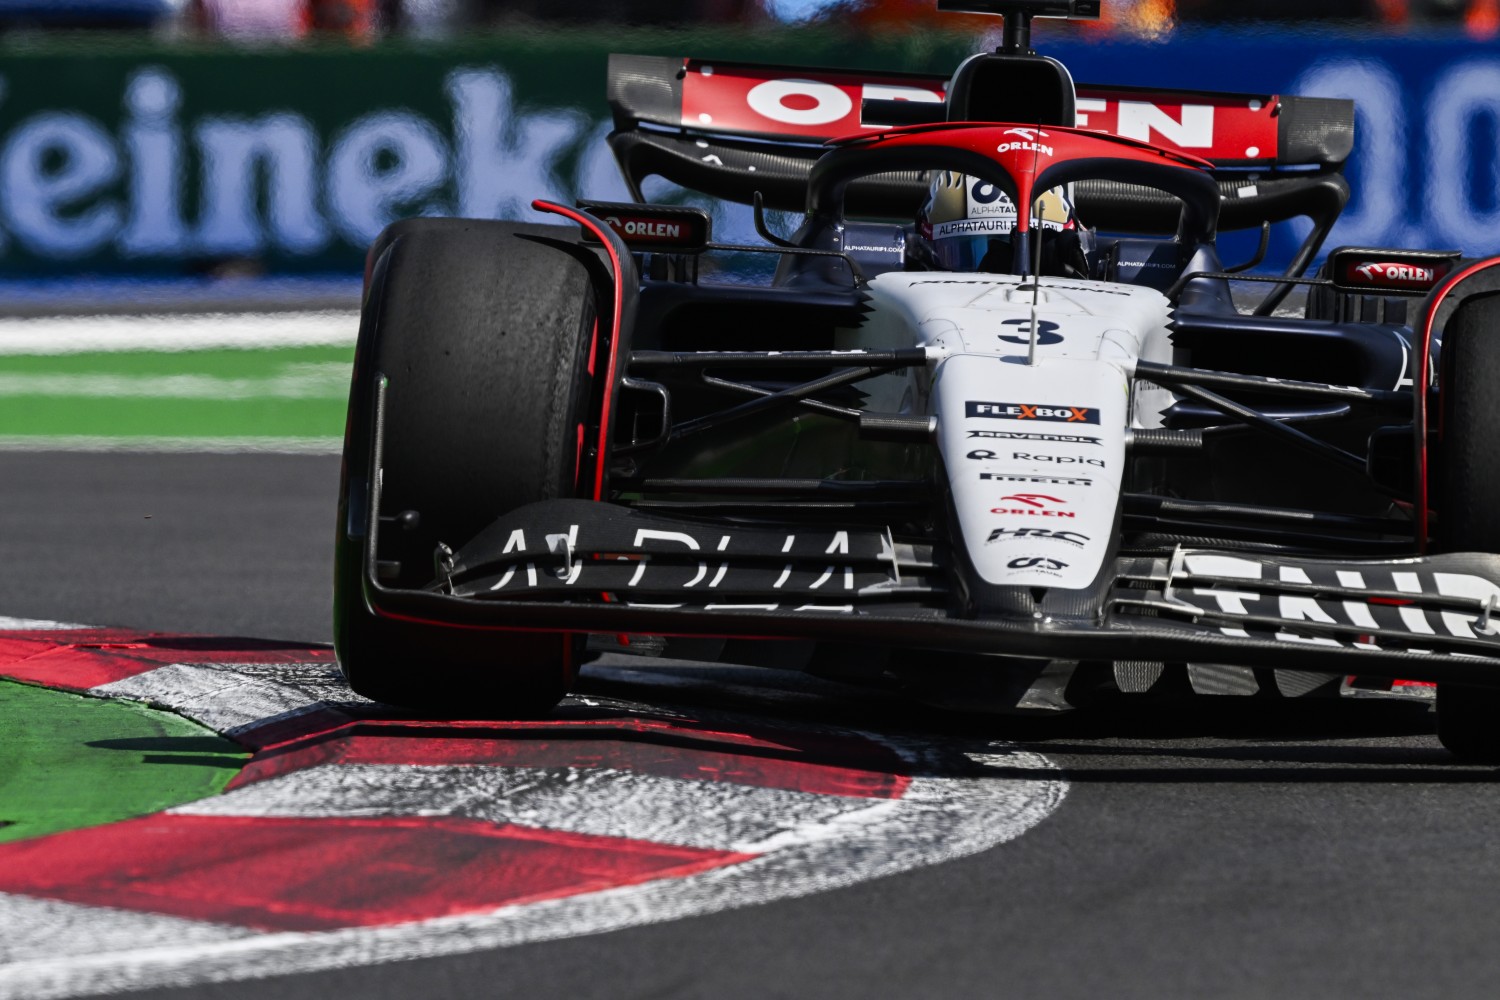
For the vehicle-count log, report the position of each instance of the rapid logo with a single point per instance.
(1032, 411)
(1021, 456)
(1068, 537)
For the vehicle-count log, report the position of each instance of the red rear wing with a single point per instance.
(732, 129)
(814, 105)
(772, 103)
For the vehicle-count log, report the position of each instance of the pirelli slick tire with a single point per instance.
(1468, 498)
(480, 332)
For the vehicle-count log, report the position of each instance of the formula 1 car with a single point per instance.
(1028, 454)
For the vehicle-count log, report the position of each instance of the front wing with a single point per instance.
(584, 566)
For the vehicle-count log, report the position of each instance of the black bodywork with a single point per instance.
(739, 455)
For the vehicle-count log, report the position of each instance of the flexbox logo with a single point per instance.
(1032, 411)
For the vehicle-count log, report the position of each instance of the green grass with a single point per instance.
(67, 761)
(289, 392)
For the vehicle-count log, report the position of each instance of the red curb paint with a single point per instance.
(322, 874)
(20, 644)
(599, 751)
(78, 659)
(71, 666)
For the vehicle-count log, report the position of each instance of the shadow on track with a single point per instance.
(1177, 738)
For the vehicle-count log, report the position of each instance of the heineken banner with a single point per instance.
(158, 161)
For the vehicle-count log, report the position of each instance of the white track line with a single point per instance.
(321, 380)
(196, 445)
(35, 624)
(177, 332)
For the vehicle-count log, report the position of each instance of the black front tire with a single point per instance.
(481, 332)
(1468, 497)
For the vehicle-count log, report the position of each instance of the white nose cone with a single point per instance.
(1035, 457)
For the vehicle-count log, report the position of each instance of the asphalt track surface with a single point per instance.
(1233, 849)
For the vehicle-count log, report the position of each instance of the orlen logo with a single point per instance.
(1027, 142)
(1037, 505)
(1378, 272)
(1032, 411)
(749, 99)
(645, 228)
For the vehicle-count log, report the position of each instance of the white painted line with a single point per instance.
(602, 802)
(265, 444)
(39, 624)
(324, 380)
(177, 332)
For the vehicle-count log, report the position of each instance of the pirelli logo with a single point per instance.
(1032, 411)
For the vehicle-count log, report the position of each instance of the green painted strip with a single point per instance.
(298, 392)
(67, 761)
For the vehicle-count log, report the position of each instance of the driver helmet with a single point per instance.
(967, 222)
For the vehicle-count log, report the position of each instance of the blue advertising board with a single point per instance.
(1425, 170)
(170, 160)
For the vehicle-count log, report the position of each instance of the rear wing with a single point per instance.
(734, 129)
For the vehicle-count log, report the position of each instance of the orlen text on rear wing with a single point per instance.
(733, 129)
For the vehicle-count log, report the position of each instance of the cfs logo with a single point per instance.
(1031, 411)
(1069, 537)
(1036, 562)
(986, 193)
(1046, 332)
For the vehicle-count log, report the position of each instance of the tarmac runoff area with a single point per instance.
(176, 381)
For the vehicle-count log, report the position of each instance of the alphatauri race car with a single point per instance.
(994, 419)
